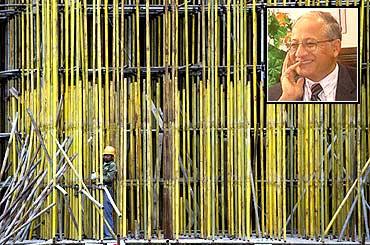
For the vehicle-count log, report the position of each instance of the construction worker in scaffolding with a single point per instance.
(109, 173)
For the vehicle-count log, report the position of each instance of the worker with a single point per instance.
(109, 173)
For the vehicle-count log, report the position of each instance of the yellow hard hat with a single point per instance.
(109, 150)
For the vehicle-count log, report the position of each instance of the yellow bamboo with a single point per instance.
(184, 159)
(300, 187)
(229, 121)
(158, 160)
(186, 124)
(283, 171)
(317, 171)
(176, 163)
(54, 97)
(262, 155)
(48, 104)
(131, 154)
(125, 121)
(26, 60)
(273, 168)
(269, 151)
(216, 123)
(204, 58)
(195, 125)
(208, 160)
(149, 124)
(21, 99)
(138, 150)
(144, 157)
(99, 149)
(306, 170)
(248, 161)
(245, 153)
(201, 156)
(222, 157)
(279, 137)
(95, 157)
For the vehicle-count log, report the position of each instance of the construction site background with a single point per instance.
(178, 87)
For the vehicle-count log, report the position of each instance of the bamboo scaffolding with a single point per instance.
(178, 88)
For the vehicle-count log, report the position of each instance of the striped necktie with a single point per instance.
(316, 90)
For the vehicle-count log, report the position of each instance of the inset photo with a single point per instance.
(312, 55)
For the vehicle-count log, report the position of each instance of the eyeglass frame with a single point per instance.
(304, 43)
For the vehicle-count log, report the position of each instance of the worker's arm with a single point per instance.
(110, 173)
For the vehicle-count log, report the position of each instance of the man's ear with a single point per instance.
(337, 45)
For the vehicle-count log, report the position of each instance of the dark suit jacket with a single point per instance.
(346, 87)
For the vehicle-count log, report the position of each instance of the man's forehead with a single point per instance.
(309, 18)
(308, 27)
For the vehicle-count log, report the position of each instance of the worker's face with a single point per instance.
(108, 157)
(318, 59)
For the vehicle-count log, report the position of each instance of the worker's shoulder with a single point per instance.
(114, 165)
(110, 164)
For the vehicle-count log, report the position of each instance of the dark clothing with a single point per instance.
(346, 86)
(108, 214)
(109, 172)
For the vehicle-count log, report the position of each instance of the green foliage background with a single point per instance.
(279, 29)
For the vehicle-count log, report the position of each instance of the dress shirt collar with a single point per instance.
(328, 83)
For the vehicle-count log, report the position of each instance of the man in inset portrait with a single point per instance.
(311, 71)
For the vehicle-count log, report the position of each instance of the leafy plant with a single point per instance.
(279, 32)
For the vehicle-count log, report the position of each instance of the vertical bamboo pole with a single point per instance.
(100, 116)
(208, 159)
(216, 123)
(359, 200)
(158, 160)
(54, 96)
(222, 156)
(149, 122)
(195, 126)
(283, 170)
(125, 116)
(279, 145)
(201, 157)
(175, 60)
(263, 166)
(306, 169)
(143, 150)
(229, 170)
(168, 156)
(186, 125)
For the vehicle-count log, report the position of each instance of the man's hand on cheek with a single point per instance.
(291, 86)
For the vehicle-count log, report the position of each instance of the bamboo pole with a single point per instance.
(149, 130)
(221, 146)
(361, 172)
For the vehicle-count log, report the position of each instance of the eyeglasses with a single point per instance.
(309, 45)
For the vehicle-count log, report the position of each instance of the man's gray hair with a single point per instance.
(332, 28)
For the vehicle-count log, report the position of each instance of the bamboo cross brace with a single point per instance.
(346, 198)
